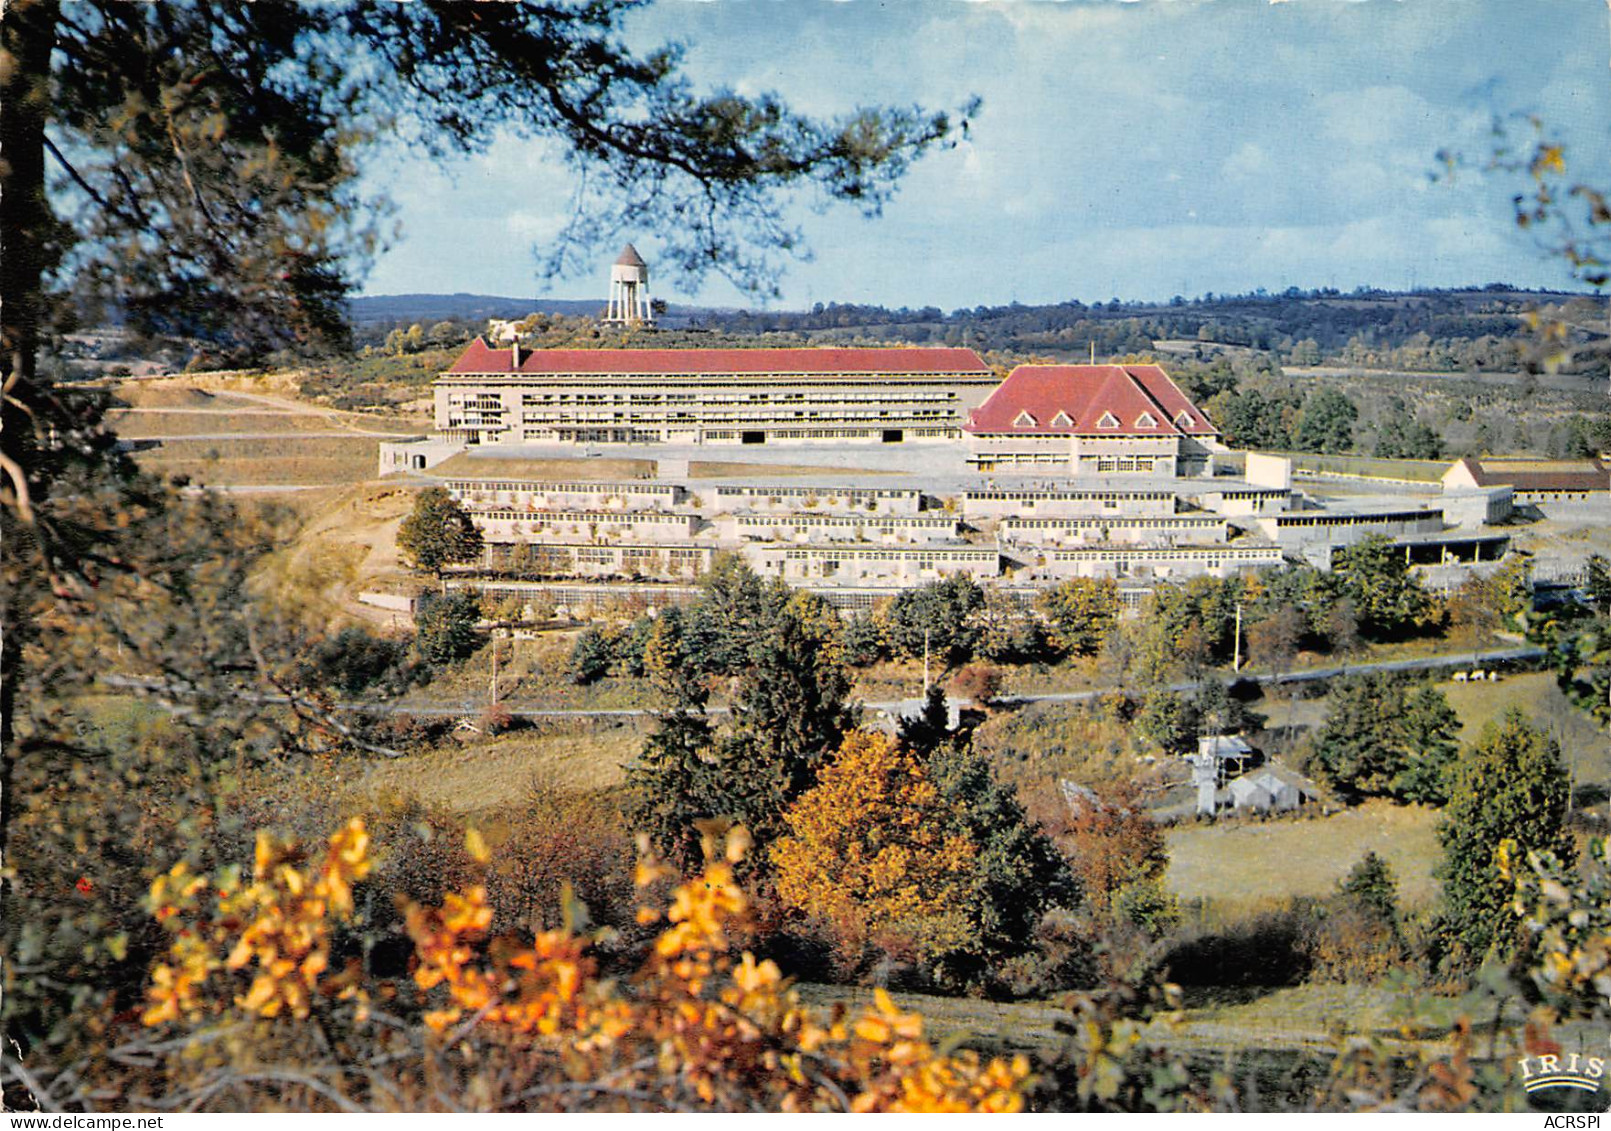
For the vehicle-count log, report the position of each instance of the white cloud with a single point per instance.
(1143, 148)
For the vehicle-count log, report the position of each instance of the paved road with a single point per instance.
(1468, 660)
(1482, 659)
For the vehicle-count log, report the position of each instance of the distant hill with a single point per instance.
(1462, 329)
(371, 310)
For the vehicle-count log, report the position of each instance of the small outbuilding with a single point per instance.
(1224, 748)
(1271, 788)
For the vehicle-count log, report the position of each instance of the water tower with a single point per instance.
(629, 291)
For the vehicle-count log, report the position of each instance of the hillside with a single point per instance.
(1461, 330)
(373, 310)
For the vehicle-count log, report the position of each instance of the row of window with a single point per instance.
(1212, 555)
(1142, 523)
(1032, 497)
(1288, 521)
(1026, 419)
(809, 520)
(1121, 464)
(600, 518)
(539, 487)
(721, 380)
(537, 400)
(882, 555)
(830, 493)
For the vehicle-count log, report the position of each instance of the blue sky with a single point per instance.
(1132, 149)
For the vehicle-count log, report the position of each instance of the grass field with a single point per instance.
(348, 542)
(153, 425)
(489, 773)
(1535, 693)
(536, 673)
(293, 471)
(339, 460)
(1242, 866)
(165, 394)
(1301, 1018)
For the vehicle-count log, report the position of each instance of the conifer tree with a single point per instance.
(790, 714)
(1509, 786)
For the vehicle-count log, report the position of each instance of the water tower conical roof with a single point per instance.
(629, 257)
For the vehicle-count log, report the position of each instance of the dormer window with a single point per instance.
(1184, 419)
(1024, 420)
(1108, 421)
(1061, 420)
(1146, 420)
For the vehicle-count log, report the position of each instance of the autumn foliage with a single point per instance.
(875, 854)
(700, 1025)
(1112, 845)
(272, 933)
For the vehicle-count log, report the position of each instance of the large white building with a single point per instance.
(708, 396)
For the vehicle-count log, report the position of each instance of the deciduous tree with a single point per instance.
(1111, 844)
(940, 613)
(438, 532)
(1082, 612)
(1326, 423)
(878, 856)
(1388, 599)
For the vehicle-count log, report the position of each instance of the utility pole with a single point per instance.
(925, 663)
(1236, 662)
(494, 671)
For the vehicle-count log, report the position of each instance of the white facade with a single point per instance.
(988, 503)
(536, 494)
(697, 396)
(792, 499)
(872, 565)
(1167, 530)
(583, 526)
(1347, 527)
(1161, 563)
(810, 527)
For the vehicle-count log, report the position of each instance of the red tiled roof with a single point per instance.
(1589, 475)
(480, 358)
(1078, 399)
(1169, 397)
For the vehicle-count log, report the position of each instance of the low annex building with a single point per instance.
(1533, 480)
(1091, 420)
(708, 396)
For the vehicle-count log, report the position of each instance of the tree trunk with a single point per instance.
(27, 34)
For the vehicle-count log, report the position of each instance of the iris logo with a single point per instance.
(1573, 1070)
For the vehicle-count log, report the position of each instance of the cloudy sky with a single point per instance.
(1132, 149)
